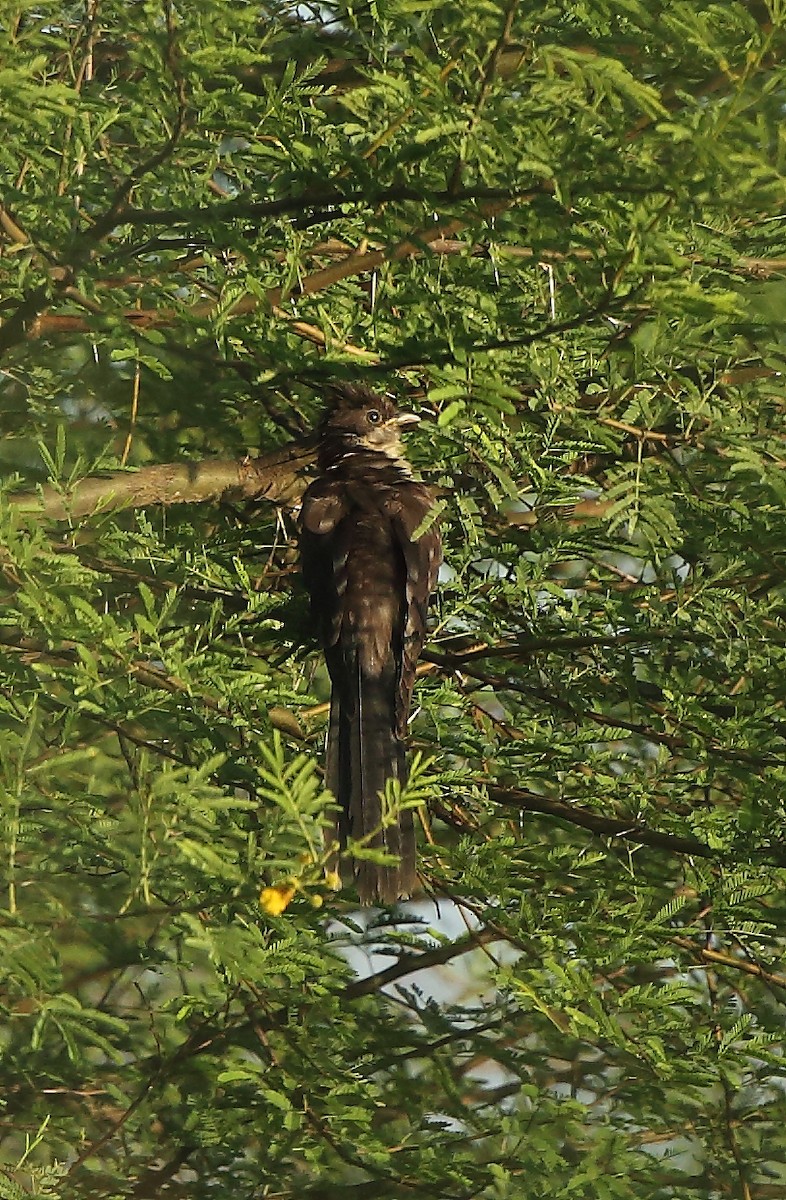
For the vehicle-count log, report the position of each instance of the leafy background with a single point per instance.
(559, 231)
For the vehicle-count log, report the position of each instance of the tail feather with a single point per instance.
(363, 752)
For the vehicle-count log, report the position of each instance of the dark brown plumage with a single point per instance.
(370, 579)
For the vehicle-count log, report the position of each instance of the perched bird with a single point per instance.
(369, 574)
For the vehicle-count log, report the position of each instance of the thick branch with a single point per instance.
(277, 477)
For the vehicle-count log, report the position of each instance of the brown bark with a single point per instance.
(278, 477)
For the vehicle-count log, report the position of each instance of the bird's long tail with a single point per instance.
(363, 752)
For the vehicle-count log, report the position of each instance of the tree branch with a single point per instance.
(407, 964)
(584, 818)
(277, 477)
(328, 201)
(708, 955)
(356, 263)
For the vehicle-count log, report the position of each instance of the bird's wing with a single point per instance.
(324, 554)
(407, 506)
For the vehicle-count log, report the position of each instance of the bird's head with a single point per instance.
(360, 419)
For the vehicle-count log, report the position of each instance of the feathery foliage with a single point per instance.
(559, 227)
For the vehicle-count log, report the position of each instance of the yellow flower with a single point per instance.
(275, 899)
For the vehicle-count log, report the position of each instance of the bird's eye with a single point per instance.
(373, 417)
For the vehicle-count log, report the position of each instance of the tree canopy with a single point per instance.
(557, 230)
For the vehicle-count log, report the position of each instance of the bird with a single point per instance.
(370, 557)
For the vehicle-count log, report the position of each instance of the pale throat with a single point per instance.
(374, 454)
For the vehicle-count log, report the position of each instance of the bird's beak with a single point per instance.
(407, 418)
